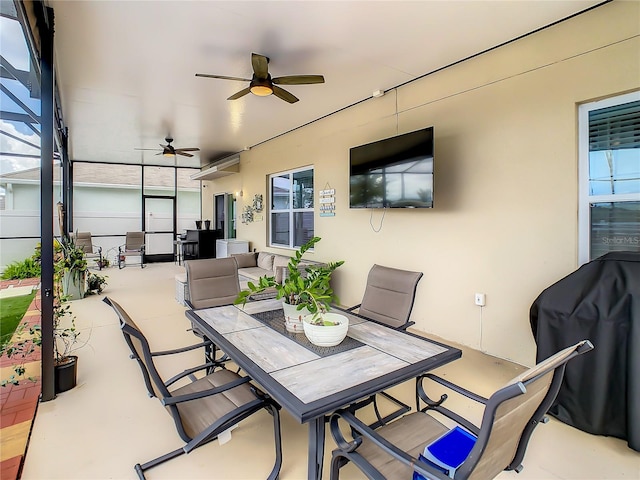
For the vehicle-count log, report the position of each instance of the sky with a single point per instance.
(14, 49)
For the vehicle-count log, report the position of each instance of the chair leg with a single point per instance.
(337, 461)
(157, 461)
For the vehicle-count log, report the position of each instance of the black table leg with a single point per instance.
(316, 448)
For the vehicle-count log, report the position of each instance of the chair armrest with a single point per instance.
(451, 386)
(183, 349)
(437, 405)
(364, 431)
(205, 393)
(188, 372)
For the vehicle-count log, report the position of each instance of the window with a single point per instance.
(609, 175)
(291, 211)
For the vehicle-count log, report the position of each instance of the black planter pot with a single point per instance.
(65, 375)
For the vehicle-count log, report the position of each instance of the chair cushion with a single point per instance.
(410, 433)
(245, 260)
(197, 415)
(265, 260)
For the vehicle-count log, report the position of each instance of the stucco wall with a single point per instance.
(505, 216)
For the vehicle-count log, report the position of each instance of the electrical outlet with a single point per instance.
(480, 299)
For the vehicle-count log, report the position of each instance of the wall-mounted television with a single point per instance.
(396, 172)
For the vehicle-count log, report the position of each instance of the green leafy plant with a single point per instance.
(104, 263)
(26, 339)
(65, 334)
(311, 289)
(68, 258)
(71, 258)
(95, 283)
(27, 268)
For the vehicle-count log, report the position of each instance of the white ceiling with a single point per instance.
(126, 69)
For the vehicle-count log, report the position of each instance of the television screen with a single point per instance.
(396, 172)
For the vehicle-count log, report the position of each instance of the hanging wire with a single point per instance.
(381, 220)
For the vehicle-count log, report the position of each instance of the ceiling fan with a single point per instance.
(169, 150)
(262, 84)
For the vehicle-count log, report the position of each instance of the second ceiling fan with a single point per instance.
(262, 84)
(169, 150)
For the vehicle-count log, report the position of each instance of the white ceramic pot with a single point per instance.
(326, 335)
(293, 317)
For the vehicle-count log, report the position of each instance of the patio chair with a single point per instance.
(415, 442)
(84, 241)
(133, 246)
(203, 408)
(388, 299)
(211, 282)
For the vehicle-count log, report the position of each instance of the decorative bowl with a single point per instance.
(326, 335)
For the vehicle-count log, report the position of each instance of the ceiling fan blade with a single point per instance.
(184, 154)
(298, 80)
(260, 65)
(223, 77)
(154, 149)
(188, 149)
(241, 93)
(284, 95)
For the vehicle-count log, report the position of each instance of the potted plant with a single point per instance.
(303, 291)
(95, 283)
(27, 338)
(65, 336)
(71, 265)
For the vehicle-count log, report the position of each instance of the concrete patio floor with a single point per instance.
(107, 424)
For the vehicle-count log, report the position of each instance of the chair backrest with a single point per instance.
(134, 240)
(513, 412)
(389, 295)
(83, 240)
(140, 351)
(212, 282)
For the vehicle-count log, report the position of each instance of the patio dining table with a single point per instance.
(312, 382)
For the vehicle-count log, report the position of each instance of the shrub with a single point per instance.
(27, 268)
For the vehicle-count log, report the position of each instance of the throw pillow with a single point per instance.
(279, 266)
(245, 260)
(265, 260)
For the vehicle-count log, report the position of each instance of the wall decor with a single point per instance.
(247, 214)
(327, 201)
(257, 202)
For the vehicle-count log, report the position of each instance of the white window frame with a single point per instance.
(290, 210)
(584, 198)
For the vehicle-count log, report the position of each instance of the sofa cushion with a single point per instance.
(280, 263)
(254, 273)
(265, 260)
(245, 259)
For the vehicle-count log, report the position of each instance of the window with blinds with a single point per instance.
(609, 176)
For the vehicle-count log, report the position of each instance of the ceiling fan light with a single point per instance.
(261, 90)
(168, 153)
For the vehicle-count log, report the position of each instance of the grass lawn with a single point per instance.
(12, 310)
